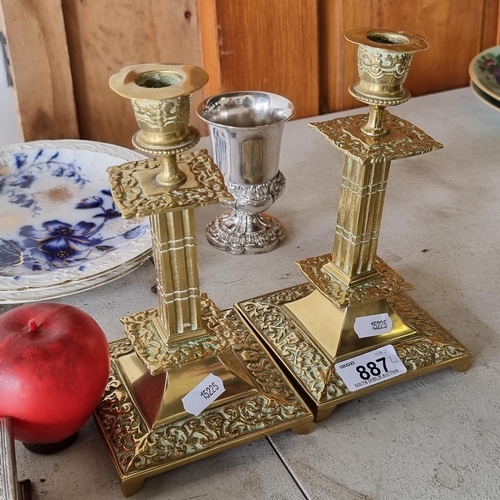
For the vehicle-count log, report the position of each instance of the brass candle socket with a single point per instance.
(321, 319)
(160, 96)
(384, 59)
(173, 349)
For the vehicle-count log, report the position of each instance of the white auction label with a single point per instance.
(370, 368)
(208, 390)
(370, 326)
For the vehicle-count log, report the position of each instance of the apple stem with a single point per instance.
(32, 325)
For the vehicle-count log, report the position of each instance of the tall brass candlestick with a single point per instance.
(351, 329)
(154, 415)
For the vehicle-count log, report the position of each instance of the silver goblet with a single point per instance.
(245, 130)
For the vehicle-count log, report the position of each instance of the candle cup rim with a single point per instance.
(361, 36)
(190, 78)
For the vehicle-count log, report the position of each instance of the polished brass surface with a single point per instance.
(160, 97)
(138, 195)
(309, 357)
(148, 431)
(364, 182)
(311, 327)
(173, 347)
(384, 59)
(385, 282)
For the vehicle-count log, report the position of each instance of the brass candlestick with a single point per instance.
(354, 304)
(154, 415)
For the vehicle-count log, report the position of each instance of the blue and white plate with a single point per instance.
(60, 231)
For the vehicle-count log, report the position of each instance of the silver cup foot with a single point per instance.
(240, 232)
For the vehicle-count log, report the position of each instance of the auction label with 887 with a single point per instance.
(370, 368)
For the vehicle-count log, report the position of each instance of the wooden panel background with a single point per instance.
(40, 67)
(456, 31)
(267, 45)
(292, 47)
(105, 36)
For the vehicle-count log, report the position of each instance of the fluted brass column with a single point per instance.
(362, 195)
(160, 97)
(174, 253)
(382, 72)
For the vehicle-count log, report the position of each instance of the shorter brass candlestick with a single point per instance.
(189, 380)
(351, 329)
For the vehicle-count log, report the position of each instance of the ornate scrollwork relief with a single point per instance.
(162, 114)
(377, 63)
(133, 202)
(136, 447)
(408, 140)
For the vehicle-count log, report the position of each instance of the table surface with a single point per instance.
(434, 437)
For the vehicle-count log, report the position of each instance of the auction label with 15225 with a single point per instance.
(208, 390)
(370, 368)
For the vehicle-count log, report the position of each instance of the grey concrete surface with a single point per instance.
(436, 437)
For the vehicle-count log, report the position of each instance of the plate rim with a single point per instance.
(63, 290)
(474, 76)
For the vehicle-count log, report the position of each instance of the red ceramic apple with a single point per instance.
(54, 365)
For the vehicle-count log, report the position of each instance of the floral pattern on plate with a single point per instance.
(60, 244)
(58, 221)
(489, 64)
